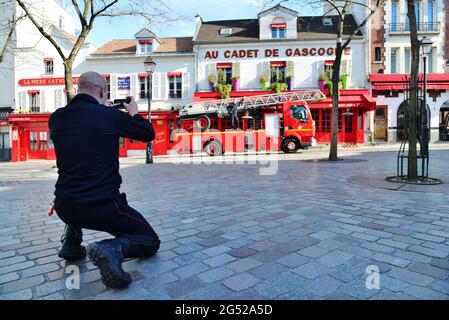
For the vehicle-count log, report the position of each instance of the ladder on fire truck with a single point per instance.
(197, 109)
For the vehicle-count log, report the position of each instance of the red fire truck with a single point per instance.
(266, 122)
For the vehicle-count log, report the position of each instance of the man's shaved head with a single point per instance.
(93, 84)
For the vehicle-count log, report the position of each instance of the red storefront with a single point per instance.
(31, 140)
(353, 108)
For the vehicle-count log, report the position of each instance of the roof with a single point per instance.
(309, 28)
(61, 34)
(128, 46)
(278, 7)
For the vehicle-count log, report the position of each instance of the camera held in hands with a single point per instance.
(119, 103)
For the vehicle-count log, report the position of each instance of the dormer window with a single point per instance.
(327, 22)
(225, 31)
(145, 46)
(278, 30)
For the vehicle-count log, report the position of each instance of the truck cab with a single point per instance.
(298, 126)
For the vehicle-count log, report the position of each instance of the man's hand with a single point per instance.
(131, 107)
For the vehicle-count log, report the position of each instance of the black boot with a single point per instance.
(107, 255)
(71, 244)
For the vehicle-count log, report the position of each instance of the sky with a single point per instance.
(106, 29)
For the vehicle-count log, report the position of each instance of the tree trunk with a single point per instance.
(68, 77)
(413, 101)
(333, 153)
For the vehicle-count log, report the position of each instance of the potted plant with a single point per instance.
(289, 78)
(225, 90)
(278, 87)
(322, 80)
(264, 82)
(236, 82)
(212, 81)
(345, 80)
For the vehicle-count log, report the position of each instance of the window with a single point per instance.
(360, 119)
(394, 60)
(226, 71)
(299, 113)
(33, 141)
(48, 66)
(377, 54)
(175, 87)
(394, 15)
(430, 14)
(42, 140)
(407, 60)
(317, 119)
(326, 120)
(143, 88)
(277, 72)
(145, 46)
(225, 31)
(418, 12)
(34, 99)
(278, 32)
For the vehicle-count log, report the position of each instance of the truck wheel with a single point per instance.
(204, 123)
(213, 148)
(290, 145)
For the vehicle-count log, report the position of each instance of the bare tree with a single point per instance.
(342, 8)
(8, 28)
(88, 11)
(413, 100)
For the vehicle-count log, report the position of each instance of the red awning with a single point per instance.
(105, 76)
(174, 74)
(277, 63)
(329, 63)
(351, 101)
(142, 75)
(145, 41)
(394, 82)
(278, 25)
(48, 59)
(224, 65)
(33, 91)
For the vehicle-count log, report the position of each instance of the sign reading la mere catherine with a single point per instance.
(272, 53)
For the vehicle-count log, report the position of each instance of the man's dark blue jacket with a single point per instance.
(86, 138)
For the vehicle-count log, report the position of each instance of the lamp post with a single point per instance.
(426, 50)
(150, 65)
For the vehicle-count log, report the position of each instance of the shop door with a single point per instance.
(349, 132)
(38, 144)
(5, 150)
(160, 143)
(381, 123)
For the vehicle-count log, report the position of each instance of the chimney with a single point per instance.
(198, 19)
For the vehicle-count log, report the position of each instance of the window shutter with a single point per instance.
(266, 70)
(156, 87)
(58, 99)
(164, 86)
(22, 100)
(135, 87)
(185, 85)
(113, 87)
(211, 68)
(42, 101)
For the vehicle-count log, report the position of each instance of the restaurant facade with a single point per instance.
(277, 50)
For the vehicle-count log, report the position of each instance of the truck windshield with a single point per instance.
(299, 113)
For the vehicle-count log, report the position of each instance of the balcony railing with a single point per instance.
(35, 109)
(422, 27)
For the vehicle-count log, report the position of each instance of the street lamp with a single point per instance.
(150, 65)
(425, 50)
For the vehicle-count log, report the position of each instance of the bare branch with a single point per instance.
(78, 12)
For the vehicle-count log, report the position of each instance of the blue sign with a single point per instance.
(124, 83)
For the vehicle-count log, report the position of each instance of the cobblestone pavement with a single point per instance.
(230, 233)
